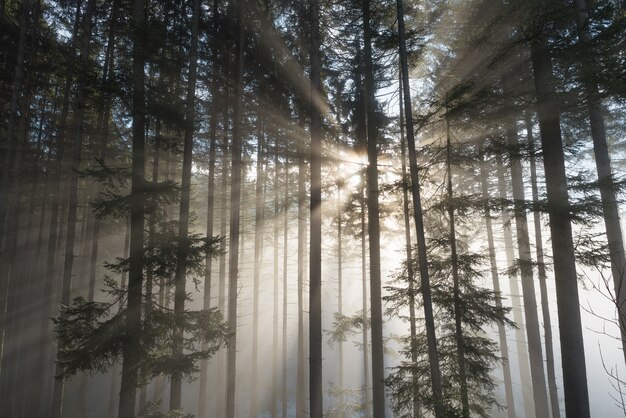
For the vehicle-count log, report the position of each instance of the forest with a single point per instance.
(321, 208)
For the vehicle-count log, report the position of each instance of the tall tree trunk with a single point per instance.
(55, 214)
(340, 292)
(275, 221)
(315, 262)
(7, 190)
(183, 219)
(259, 226)
(433, 356)
(365, 317)
(456, 291)
(148, 302)
(131, 345)
(409, 255)
(79, 115)
(16, 272)
(235, 201)
(373, 222)
(203, 394)
(504, 346)
(570, 327)
(284, 394)
(610, 209)
(515, 295)
(16, 92)
(525, 263)
(103, 126)
(113, 396)
(545, 303)
(300, 373)
(221, 363)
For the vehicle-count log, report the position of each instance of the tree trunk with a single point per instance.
(340, 293)
(365, 317)
(275, 289)
(373, 222)
(103, 126)
(183, 220)
(300, 373)
(284, 395)
(456, 291)
(55, 214)
(504, 346)
(525, 262)
(131, 345)
(259, 227)
(570, 327)
(610, 209)
(79, 115)
(315, 263)
(16, 92)
(114, 370)
(433, 356)
(545, 303)
(203, 394)
(409, 254)
(221, 363)
(518, 317)
(235, 201)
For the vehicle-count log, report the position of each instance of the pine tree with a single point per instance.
(570, 328)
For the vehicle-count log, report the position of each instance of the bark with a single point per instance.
(373, 222)
(409, 254)
(16, 92)
(525, 263)
(79, 115)
(235, 200)
(114, 370)
(365, 318)
(48, 287)
(274, 407)
(340, 291)
(570, 327)
(148, 303)
(103, 126)
(222, 261)
(7, 190)
(183, 219)
(259, 226)
(16, 275)
(504, 346)
(610, 209)
(284, 394)
(300, 372)
(456, 292)
(202, 397)
(518, 317)
(433, 356)
(545, 302)
(315, 250)
(131, 345)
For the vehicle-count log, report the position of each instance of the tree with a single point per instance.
(235, 202)
(183, 228)
(610, 208)
(130, 348)
(373, 227)
(315, 249)
(504, 346)
(570, 328)
(84, 42)
(525, 263)
(419, 223)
